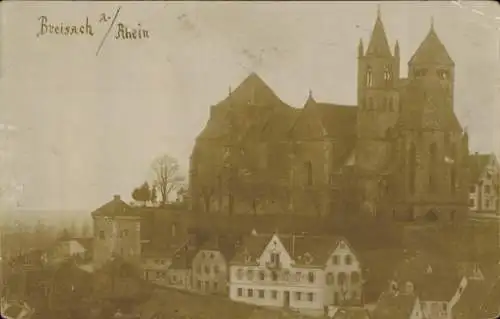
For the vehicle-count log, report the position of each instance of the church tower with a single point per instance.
(378, 110)
(434, 149)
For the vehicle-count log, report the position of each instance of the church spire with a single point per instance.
(361, 50)
(431, 50)
(378, 46)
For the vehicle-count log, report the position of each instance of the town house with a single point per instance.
(484, 190)
(210, 266)
(303, 273)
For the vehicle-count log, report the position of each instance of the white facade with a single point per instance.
(277, 280)
(483, 193)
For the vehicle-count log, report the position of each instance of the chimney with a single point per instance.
(116, 197)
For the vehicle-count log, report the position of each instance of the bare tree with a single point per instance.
(167, 177)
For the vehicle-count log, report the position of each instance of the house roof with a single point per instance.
(319, 248)
(428, 290)
(115, 208)
(471, 300)
(253, 98)
(13, 311)
(431, 50)
(394, 306)
(477, 165)
(338, 120)
(182, 259)
(491, 303)
(424, 271)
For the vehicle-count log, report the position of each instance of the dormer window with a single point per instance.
(369, 77)
(275, 259)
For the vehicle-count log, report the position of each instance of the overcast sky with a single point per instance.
(89, 126)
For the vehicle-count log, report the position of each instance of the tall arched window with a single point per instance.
(369, 77)
(391, 107)
(370, 103)
(309, 173)
(412, 163)
(452, 180)
(432, 166)
(387, 73)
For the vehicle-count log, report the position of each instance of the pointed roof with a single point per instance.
(253, 90)
(378, 46)
(115, 208)
(477, 165)
(310, 99)
(431, 50)
(396, 306)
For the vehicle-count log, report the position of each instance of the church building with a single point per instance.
(399, 153)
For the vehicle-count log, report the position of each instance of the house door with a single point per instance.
(286, 299)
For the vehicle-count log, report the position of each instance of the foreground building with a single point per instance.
(116, 233)
(297, 272)
(484, 191)
(400, 151)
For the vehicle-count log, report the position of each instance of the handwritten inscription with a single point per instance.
(126, 33)
(121, 30)
(63, 28)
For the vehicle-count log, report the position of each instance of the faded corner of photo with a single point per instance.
(250, 160)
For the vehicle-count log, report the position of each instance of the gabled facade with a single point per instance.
(211, 266)
(399, 152)
(117, 232)
(484, 190)
(297, 272)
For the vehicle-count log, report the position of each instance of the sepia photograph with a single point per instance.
(250, 160)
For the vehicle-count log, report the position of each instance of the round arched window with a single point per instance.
(207, 269)
(216, 269)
